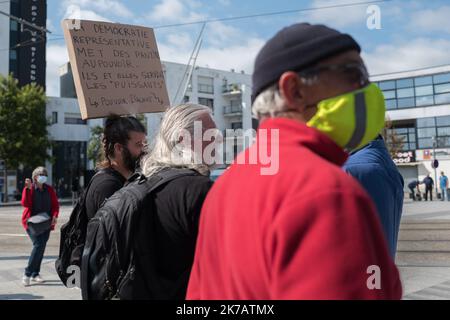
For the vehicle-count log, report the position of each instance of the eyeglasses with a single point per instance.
(354, 72)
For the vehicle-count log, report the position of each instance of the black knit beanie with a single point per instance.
(295, 48)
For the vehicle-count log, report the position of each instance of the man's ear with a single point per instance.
(118, 148)
(292, 90)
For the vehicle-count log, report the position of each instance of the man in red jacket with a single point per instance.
(301, 229)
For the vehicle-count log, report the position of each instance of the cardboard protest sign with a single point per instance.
(116, 68)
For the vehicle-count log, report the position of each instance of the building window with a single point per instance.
(426, 132)
(442, 88)
(426, 122)
(205, 85)
(443, 121)
(406, 135)
(73, 118)
(14, 26)
(421, 81)
(443, 131)
(12, 54)
(434, 128)
(236, 125)
(389, 94)
(387, 85)
(391, 104)
(442, 98)
(405, 103)
(404, 83)
(424, 101)
(425, 143)
(54, 117)
(443, 142)
(424, 90)
(441, 78)
(404, 93)
(206, 102)
(186, 99)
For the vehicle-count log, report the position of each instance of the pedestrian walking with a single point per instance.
(443, 184)
(40, 214)
(429, 184)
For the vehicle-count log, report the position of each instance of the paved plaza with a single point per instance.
(423, 255)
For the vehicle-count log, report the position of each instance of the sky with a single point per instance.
(413, 34)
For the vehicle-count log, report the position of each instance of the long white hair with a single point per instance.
(167, 141)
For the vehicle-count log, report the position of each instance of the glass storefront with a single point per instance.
(70, 167)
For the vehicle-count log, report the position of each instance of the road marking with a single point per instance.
(13, 235)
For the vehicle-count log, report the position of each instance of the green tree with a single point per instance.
(94, 149)
(23, 124)
(394, 142)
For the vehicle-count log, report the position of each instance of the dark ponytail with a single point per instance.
(117, 130)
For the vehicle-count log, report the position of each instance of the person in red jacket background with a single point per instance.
(38, 197)
(294, 225)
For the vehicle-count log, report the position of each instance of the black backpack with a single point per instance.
(73, 235)
(114, 264)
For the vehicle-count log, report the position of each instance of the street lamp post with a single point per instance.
(434, 161)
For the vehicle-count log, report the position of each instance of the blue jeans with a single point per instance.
(39, 244)
(444, 193)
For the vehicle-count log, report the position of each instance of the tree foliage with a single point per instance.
(23, 124)
(394, 142)
(94, 149)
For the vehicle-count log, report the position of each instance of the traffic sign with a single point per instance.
(435, 164)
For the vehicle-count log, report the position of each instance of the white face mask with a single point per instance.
(41, 179)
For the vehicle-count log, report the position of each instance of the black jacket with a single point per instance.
(177, 207)
(102, 186)
(428, 182)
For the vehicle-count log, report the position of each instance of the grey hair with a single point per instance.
(175, 120)
(39, 171)
(269, 103)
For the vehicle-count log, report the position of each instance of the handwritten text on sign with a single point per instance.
(116, 68)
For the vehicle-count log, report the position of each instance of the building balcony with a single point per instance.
(231, 111)
(231, 89)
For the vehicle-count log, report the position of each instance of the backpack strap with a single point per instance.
(169, 175)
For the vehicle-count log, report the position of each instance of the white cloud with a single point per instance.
(221, 35)
(49, 25)
(111, 7)
(180, 40)
(224, 46)
(56, 57)
(168, 10)
(85, 15)
(408, 55)
(431, 20)
(175, 11)
(239, 56)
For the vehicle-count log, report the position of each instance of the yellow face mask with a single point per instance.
(353, 119)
